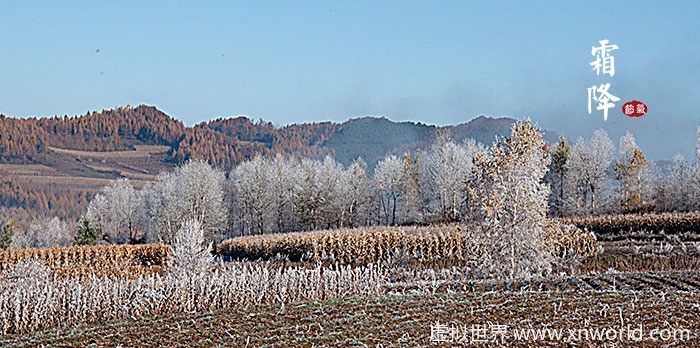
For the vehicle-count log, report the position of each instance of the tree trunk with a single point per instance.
(561, 194)
(393, 213)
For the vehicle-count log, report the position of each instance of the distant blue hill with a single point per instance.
(372, 138)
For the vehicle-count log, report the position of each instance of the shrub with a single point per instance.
(87, 234)
(44, 233)
(7, 229)
(190, 253)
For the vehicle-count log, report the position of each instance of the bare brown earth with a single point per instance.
(143, 163)
(409, 320)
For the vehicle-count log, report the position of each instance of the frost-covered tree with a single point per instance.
(308, 201)
(284, 186)
(413, 202)
(680, 190)
(587, 172)
(511, 204)
(355, 192)
(694, 188)
(119, 212)
(672, 194)
(331, 188)
(560, 156)
(194, 191)
(389, 179)
(634, 175)
(319, 201)
(251, 186)
(285, 194)
(44, 233)
(447, 166)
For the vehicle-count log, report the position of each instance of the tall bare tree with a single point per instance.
(447, 167)
(513, 204)
(194, 191)
(587, 172)
(560, 156)
(634, 175)
(388, 179)
(251, 186)
(120, 212)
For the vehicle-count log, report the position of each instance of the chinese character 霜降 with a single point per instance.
(603, 62)
(601, 95)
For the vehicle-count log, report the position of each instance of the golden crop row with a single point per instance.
(436, 245)
(83, 261)
(670, 223)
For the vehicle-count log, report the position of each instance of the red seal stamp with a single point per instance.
(634, 108)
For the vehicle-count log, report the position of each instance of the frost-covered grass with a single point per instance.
(31, 299)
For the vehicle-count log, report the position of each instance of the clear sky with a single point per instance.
(438, 62)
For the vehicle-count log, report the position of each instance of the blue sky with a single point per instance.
(438, 62)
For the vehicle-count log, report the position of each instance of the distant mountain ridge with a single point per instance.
(372, 138)
(225, 142)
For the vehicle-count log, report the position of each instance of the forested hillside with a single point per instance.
(223, 142)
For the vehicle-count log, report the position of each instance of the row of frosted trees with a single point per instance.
(281, 194)
(592, 177)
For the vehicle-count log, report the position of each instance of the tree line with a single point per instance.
(272, 194)
(592, 177)
(283, 194)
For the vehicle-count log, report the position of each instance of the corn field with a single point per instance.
(31, 302)
(669, 223)
(448, 245)
(57, 287)
(97, 261)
